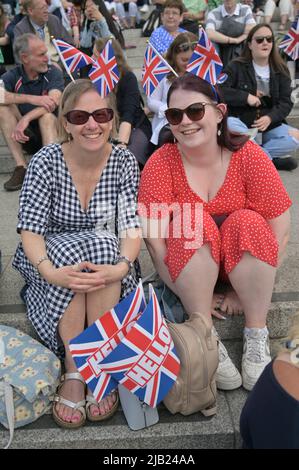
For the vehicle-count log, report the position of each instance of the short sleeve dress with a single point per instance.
(252, 190)
(50, 206)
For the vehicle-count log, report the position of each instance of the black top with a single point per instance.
(129, 103)
(270, 417)
(241, 82)
(16, 81)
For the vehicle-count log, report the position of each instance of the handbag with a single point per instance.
(29, 374)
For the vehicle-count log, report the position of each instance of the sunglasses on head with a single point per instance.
(78, 117)
(260, 39)
(186, 46)
(195, 112)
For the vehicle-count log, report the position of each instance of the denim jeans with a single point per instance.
(276, 143)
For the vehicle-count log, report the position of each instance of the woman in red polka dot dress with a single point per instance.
(213, 204)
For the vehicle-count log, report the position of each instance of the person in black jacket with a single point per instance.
(135, 129)
(258, 94)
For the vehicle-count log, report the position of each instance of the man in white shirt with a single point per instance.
(229, 24)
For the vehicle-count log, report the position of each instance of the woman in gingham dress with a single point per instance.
(80, 234)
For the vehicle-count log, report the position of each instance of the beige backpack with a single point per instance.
(195, 387)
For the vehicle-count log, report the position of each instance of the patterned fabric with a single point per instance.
(251, 193)
(50, 206)
(32, 371)
(161, 39)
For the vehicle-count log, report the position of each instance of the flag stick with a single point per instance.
(62, 60)
(164, 60)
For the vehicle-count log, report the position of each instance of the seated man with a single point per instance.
(39, 21)
(228, 26)
(32, 94)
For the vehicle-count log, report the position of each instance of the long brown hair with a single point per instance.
(276, 62)
(190, 82)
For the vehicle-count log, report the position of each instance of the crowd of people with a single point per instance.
(216, 149)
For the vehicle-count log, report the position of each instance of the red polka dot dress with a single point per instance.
(234, 221)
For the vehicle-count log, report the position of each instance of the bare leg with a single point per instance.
(9, 117)
(253, 281)
(48, 128)
(195, 284)
(99, 302)
(283, 22)
(72, 324)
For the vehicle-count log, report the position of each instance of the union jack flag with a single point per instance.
(96, 342)
(145, 362)
(290, 43)
(73, 58)
(222, 78)
(205, 62)
(154, 70)
(104, 73)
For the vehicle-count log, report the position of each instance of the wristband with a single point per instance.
(43, 258)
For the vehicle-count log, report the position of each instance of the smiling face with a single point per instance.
(195, 133)
(261, 50)
(91, 136)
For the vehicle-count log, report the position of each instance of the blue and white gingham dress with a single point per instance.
(50, 206)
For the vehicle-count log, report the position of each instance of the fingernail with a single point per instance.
(223, 318)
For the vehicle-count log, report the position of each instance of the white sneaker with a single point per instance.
(256, 355)
(227, 376)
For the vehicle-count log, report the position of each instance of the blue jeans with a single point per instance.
(276, 143)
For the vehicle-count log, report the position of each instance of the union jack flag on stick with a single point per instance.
(72, 58)
(205, 62)
(155, 68)
(96, 342)
(290, 43)
(104, 73)
(145, 362)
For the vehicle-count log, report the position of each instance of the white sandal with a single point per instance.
(80, 405)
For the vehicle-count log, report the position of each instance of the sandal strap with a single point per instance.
(90, 399)
(80, 405)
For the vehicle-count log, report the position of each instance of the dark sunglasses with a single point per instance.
(186, 46)
(78, 117)
(260, 39)
(195, 112)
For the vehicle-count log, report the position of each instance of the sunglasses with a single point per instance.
(260, 39)
(186, 47)
(195, 112)
(78, 117)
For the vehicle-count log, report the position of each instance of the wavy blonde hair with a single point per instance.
(72, 93)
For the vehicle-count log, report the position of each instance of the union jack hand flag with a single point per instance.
(205, 62)
(104, 73)
(290, 43)
(154, 70)
(145, 362)
(73, 58)
(222, 78)
(96, 342)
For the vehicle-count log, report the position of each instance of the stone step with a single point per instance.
(172, 432)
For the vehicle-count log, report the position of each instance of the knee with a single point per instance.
(48, 119)
(6, 112)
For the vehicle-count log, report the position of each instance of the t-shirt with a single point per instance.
(242, 14)
(262, 75)
(195, 6)
(16, 81)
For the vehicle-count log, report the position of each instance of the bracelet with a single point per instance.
(119, 142)
(124, 259)
(43, 258)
